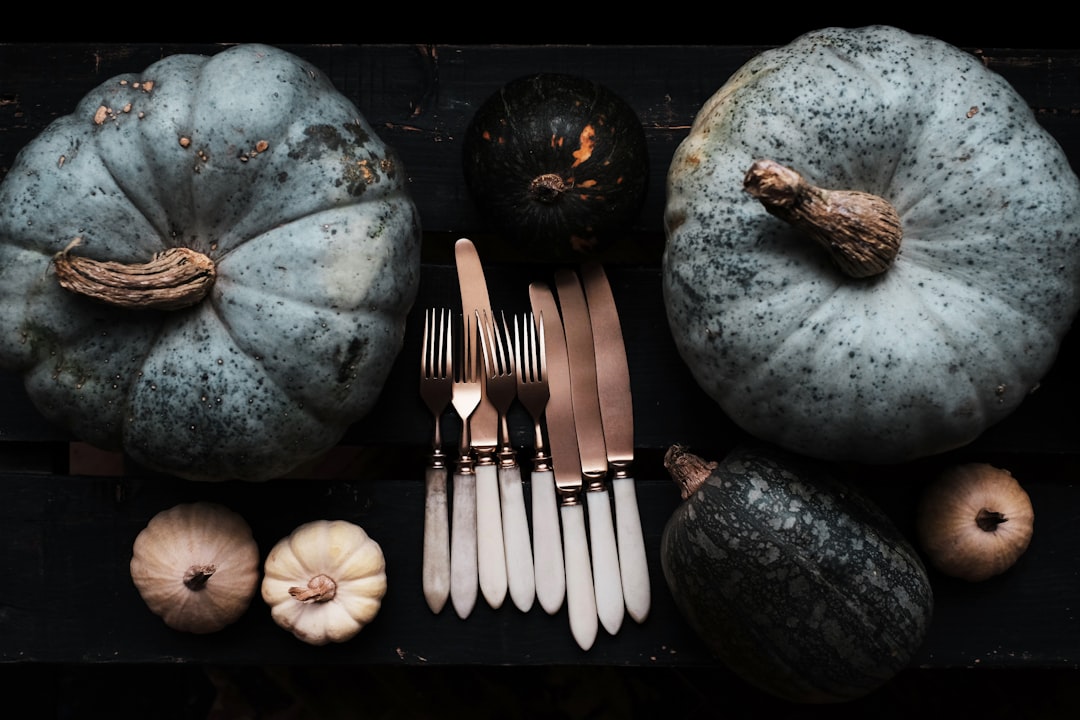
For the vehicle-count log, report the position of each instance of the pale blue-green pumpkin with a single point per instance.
(967, 320)
(252, 158)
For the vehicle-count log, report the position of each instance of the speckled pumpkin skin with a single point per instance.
(957, 333)
(316, 243)
(797, 582)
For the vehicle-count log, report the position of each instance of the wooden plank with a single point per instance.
(73, 599)
(67, 537)
(420, 99)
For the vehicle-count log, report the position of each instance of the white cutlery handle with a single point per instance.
(580, 601)
(515, 526)
(490, 549)
(607, 580)
(463, 573)
(436, 563)
(635, 568)
(550, 573)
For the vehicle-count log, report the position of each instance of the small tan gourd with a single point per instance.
(197, 566)
(325, 581)
(974, 521)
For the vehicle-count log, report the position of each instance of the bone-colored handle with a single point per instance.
(548, 564)
(463, 573)
(515, 525)
(580, 601)
(632, 561)
(607, 580)
(436, 562)
(490, 548)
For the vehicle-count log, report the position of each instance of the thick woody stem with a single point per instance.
(688, 470)
(197, 576)
(172, 279)
(320, 588)
(861, 231)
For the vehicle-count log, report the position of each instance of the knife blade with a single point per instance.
(483, 430)
(607, 578)
(617, 411)
(566, 465)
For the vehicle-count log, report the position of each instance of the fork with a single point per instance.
(436, 386)
(465, 396)
(501, 381)
(532, 392)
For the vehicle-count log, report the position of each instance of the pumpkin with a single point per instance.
(974, 521)
(197, 566)
(933, 310)
(325, 581)
(795, 580)
(557, 165)
(207, 265)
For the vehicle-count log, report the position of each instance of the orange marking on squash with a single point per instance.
(586, 145)
(587, 184)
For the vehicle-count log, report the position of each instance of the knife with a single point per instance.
(617, 411)
(562, 438)
(607, 579)
(483, 431)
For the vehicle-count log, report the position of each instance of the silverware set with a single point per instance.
(565, 363)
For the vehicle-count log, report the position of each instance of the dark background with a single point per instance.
(184, 690)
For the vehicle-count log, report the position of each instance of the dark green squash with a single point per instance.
(556, 164)
(796, 581)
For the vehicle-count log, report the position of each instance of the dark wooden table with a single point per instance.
(69, 514)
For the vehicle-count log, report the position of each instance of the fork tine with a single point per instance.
(542, 351)
(520, 351)
(446, 342)
(425, 347)
(497, 357)
(487, 344)
(506, 358)
(531, 360)
(476, 360)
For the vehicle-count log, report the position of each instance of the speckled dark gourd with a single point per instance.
(969, 317)
(557, 165)
(796, 581)
(252, 159)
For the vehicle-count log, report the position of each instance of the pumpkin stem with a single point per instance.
(320, 588)
(549, 187)
(989, 520)
(172, 279)
(687, 469)
(861, 231)
(197, 576)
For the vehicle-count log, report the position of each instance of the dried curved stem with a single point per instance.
(688, 470)
(320, 588)
(173, 279)
(861, 231)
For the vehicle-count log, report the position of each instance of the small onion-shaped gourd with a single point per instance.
(208, 265)
(974, 521)
(796, 581)
(325, 581)
(557, 165)
(873, 246)
(197, 566)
